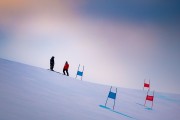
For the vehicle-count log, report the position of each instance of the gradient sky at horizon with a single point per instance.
(120, 42)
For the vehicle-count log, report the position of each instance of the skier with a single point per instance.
(65, 69)
(52, 63)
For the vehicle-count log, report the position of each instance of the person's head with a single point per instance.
(52, 56)
(66, 62)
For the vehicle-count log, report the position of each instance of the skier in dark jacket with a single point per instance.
(65, 69)
(52, 63)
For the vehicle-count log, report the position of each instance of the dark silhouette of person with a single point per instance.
(52, 63)
(65, 69)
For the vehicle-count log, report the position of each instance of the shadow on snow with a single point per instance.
(145, 107)
(102, 106)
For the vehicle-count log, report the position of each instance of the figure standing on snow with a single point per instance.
(52, 63)
(65, 69)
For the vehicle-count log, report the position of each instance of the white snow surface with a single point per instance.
(32, 93)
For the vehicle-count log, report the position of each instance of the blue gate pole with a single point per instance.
(82, 72)
(115, 99)
(108, 96)
(77, 70)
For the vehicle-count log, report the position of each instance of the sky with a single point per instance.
(119, 42)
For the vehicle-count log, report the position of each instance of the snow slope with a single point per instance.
(31, 93)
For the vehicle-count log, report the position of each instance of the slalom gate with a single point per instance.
(111, 95)
(146, 85)
(149, 98)
(80, 73)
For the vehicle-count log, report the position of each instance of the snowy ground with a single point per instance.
(31, 93)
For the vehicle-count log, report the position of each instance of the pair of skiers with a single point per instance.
(65, 69)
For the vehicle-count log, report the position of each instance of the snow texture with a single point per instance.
(32, 93)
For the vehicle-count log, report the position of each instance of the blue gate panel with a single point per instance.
(79, 73)
(112, 95)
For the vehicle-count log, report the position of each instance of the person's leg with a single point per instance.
(67, 72)
(64, 71)
(51, 67)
